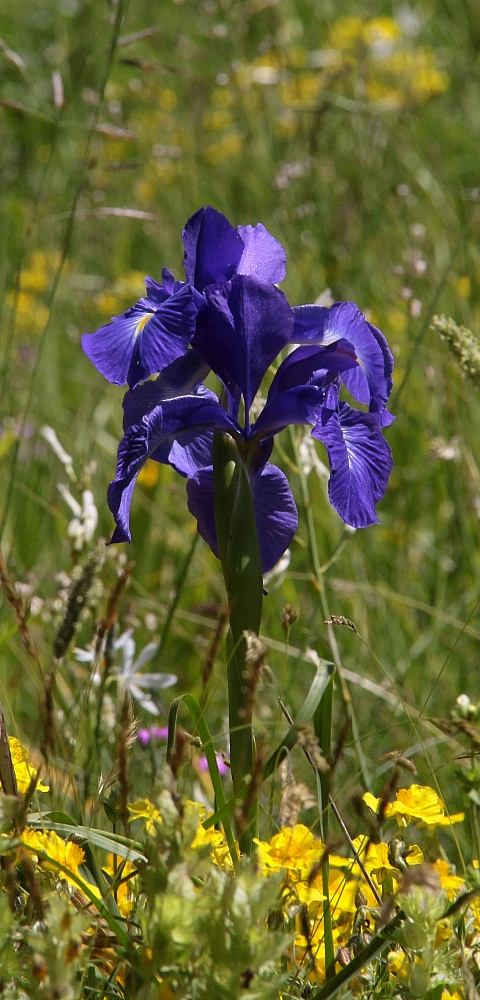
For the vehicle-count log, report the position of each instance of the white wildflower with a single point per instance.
(128, 676)
(50, 436)
(325, 298)
(82, 528)
(275, 577)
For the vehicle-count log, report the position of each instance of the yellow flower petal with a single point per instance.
(24, 770)
(144, 809)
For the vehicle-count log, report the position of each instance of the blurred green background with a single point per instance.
(352, 132)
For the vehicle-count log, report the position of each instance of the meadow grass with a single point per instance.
(354, 139)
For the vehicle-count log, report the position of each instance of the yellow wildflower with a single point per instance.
(144, 809)
(377, 862)
(304, 88)
(124, 892)
(229, 145)
(30, 313)
(419, 803)
(346, 32)
(65, 852)
(463, 286)
(450, 882)
(398, 965)
(219, 850)
(381, 30)
(24, 770)
(290, 848)
(218, 119)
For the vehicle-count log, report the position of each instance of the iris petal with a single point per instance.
(145, 338)
(360, 460)
(182, 377)
(275, 511)
(371, 381)
(153, 435)
(213, 248)
(249, 322)
(313, 364)
(263, 256)
(296, 406)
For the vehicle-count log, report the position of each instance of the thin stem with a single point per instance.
(320, 586)
(322, 724)
(179, 585)
(7, 772)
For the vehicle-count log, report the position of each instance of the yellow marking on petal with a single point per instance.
(142, 323)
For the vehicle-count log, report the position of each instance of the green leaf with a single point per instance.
(110, 842)
(242, 570)
(316, 691)
(376, 945)
(114, 924)
(203, 731)
(237, 537)
(435, 993)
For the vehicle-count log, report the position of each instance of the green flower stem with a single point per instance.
(242, 570)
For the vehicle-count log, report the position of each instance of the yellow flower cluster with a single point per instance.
(395, 72)
(417, 804)
(294, 852)
(299, 855)
(369, 59)
(30, 313)
(64, 852)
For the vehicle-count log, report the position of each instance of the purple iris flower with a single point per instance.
(246, 324)
(159, 327)
(230, 317)
(215, 251)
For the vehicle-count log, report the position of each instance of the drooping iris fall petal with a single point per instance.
(360, 460)
(145, 338)
(275, 511)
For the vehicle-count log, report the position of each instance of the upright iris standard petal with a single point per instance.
(156, 434)
(215, 251)
(249, 322)
(146, 338)
(213, 248)
(360, 460)
(275, 511)
(371, 382)
(263, 256)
